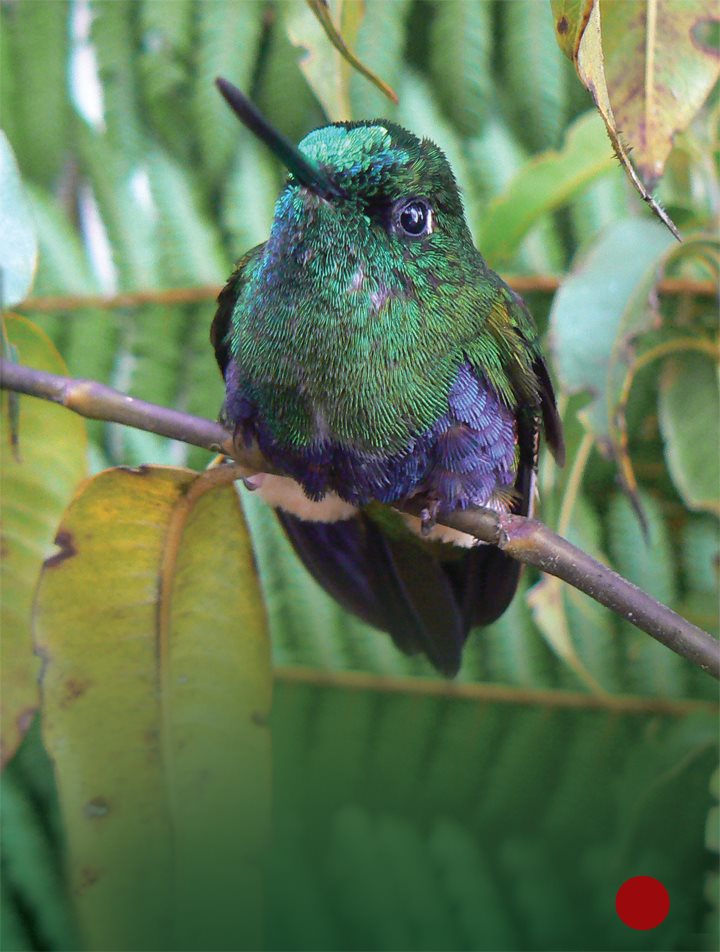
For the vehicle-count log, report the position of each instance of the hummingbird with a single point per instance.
(373, 356)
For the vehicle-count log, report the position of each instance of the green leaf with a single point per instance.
(368, 787)
(351, 18)
(127, 218)
(600, 306)
(18, 242)
(156, 692)
(226, 44)
(460, 47)
(495, 157)
(535, 75)
(34, 90)
(284, 94)
(701, 554)
(249, 196)
(575, 626)
(36, 488)
(114, 35)
(544, 184)
(380, 44)
(165, 72)
(648, 562)
(29, 866)
(603, 202)
(63, 266)
(187, 243)
(319, 60)
(689, 406)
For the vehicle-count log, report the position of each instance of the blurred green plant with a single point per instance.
(406, 814)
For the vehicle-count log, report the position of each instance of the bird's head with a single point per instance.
(367, 191)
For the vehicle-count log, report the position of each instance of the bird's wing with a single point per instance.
(516, 335)
(221, 328)
(485, 578)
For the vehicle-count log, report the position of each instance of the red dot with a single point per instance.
(642, 902)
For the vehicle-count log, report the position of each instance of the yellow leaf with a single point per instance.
(571, 18)
(658, 72)
(37, 484)
(156, 692)
(648, 71)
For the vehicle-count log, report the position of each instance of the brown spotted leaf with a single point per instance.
(649, 68)
(156, 691)
(659, 71)
(571, 18)
(38, 479)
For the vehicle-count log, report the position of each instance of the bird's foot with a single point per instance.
(254, 482)
(428, 517)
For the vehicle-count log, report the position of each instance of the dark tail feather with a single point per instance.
(334, 553)
(485, 581)
(422, 609)
(425, 604)
(552, 423)
(388, 583)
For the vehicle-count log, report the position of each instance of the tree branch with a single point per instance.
(524, 539)
(522, 283)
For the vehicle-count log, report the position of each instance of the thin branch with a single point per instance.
(524, 539)
(523, 283)
(486, 692)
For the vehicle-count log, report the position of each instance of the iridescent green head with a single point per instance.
(375, 169)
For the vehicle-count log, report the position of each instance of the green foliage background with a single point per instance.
(406, 818)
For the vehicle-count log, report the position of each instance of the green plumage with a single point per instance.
(335, 316)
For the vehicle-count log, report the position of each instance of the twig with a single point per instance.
(524, 539)
(523, 283)
(488, 693)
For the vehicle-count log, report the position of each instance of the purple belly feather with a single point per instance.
(466, 456)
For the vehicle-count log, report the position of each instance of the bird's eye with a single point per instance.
(414, 218)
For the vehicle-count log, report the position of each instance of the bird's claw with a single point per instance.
(254, 482)
(428, 517)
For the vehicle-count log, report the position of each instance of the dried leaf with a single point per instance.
(582, 34)
(658, 72)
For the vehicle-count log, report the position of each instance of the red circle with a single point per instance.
(642, 902)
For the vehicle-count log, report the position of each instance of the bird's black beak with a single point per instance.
(306, 172)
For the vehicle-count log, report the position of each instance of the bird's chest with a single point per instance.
(340, 365)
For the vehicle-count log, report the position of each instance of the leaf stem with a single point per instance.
(522, 283)
(524, 539)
